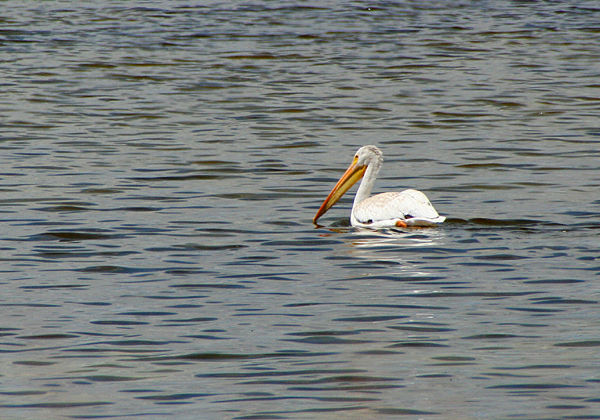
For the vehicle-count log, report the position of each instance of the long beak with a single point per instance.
(350, 177)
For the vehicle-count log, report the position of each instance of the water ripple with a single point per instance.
(161, 166)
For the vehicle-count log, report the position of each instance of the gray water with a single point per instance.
(161, 163)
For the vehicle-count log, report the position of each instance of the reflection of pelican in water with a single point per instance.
(396, 247)
(391, 209)
(387, 238)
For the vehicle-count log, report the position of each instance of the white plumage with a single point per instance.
(391, 209)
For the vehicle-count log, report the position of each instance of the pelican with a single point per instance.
(389, 209)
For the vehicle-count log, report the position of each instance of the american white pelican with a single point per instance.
(390, 209)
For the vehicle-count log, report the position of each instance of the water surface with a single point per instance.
(161, 164)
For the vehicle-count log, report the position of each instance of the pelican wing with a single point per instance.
(410, 206)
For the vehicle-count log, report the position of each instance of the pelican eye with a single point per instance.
(368, 222)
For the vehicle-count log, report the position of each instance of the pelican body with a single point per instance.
(390, 209)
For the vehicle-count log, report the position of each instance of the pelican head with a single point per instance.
(363, 158)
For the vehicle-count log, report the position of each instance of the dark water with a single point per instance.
(161, 164)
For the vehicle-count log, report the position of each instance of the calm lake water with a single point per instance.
(161, 163)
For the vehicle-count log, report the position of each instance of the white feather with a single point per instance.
(385, 209)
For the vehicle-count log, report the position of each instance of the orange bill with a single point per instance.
(350, 177)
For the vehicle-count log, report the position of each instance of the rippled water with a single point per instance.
(161, 164)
